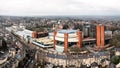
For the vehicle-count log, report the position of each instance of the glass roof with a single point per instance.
(67, 31)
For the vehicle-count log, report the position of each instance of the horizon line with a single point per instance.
(54, 15)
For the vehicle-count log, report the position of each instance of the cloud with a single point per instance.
(59, 7)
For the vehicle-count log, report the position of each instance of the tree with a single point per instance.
(78, 26)
(115, 59)
(76, 49)
(65, 26)
(115, 40)
(114, 28)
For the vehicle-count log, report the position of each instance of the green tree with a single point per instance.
(115, 40)
(65, 26)
(115, 59)
(76, 49)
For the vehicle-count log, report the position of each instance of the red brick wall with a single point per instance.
(55, 42)
(34, 34)
(65, 42)
(79, 34)
(102, 36)
(98, 30)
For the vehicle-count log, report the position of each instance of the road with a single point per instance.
(30, 52)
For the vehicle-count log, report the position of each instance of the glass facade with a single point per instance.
(89, 30)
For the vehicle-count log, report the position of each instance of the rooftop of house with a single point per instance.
(44, 40)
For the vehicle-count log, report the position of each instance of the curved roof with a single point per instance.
(67, 31)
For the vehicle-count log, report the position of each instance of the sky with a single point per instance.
(59, 7)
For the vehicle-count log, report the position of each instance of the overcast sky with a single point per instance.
(59, 7)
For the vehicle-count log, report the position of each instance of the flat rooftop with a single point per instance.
(44, 40)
